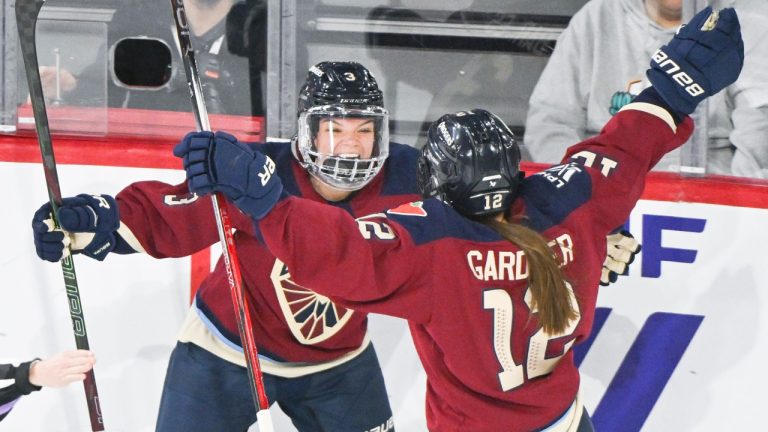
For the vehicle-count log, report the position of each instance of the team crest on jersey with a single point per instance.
(409, 209)
(311, 317)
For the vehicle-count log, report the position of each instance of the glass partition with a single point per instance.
(113, 67)
(71, 52)
(429, 58)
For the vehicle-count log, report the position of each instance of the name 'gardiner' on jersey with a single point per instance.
(463, 288)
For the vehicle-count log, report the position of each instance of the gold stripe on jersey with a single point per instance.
(130, 238)
(195, 331)
(654, 110)
(569, 422)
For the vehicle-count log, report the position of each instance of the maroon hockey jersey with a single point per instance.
(463, 288)
(291, 323)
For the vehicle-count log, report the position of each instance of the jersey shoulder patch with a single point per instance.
(553, 194)
(415, 208)
(439, 221)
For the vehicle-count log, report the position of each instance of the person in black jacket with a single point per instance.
(57, 371)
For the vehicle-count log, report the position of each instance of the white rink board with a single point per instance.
(134, 306)
(720, 381)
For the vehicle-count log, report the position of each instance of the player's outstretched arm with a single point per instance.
(704, 57)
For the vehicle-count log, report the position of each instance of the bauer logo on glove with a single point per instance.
(703, 58)
(671, 68)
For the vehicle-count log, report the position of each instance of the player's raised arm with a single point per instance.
(704, 57)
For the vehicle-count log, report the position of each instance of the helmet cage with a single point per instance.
(342, 171)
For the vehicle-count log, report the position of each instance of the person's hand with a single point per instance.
(705, 56)
(67, 83)
(89, 224)
(61, 369)
(220, 163)
(622, 248)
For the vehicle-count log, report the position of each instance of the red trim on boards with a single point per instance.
(121, 137)
(135, 153)
(117, 152)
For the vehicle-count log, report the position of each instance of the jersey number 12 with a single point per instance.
(536, 363)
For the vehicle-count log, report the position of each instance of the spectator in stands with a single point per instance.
(599, 65)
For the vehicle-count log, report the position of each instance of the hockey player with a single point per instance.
(315, 355)
(496, 275)
(317, 358)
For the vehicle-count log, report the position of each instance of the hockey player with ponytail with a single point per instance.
(340, 157)
(497, 275)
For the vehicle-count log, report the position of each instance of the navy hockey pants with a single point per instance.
(205, 393)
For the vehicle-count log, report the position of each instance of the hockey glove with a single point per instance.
(705, 56)
(220, 163)
(89, 224)
(622, 248)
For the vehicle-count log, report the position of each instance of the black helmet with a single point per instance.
(339, 94)
(339, 83)
(471, 162)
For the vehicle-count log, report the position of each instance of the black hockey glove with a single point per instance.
(220, 163)
(705, 56)
(88, 225)
(622, 248)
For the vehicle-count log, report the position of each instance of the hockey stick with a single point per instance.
(231, 262)
(26, 21)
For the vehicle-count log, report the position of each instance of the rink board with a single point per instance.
(678, 344)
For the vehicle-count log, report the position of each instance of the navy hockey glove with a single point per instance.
(704, 57)
(89, 224)
(50, 243)
(220, 163)
(622, 248)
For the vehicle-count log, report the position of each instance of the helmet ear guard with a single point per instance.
(471, 162)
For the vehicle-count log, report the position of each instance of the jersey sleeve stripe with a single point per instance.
(654, 110)
(130, 238)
